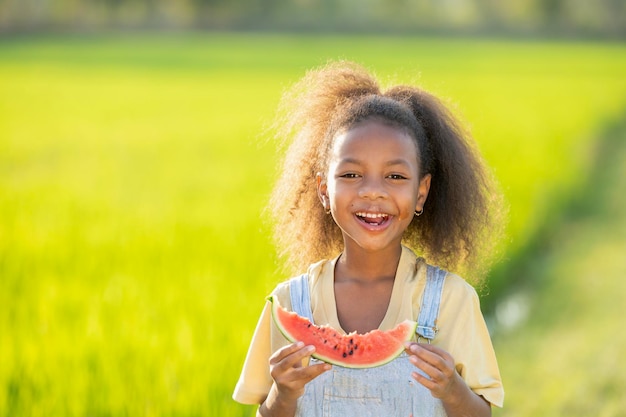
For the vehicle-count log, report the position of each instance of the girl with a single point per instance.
(370, 173)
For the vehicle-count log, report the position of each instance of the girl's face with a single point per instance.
(372, 186)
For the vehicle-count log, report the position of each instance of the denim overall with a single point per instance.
(384, 391)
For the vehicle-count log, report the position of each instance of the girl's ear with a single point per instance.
(422, 192)
(322, 190)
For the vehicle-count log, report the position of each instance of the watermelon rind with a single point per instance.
(382, 346)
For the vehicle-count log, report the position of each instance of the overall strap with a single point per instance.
(300, 299)
(427, 320)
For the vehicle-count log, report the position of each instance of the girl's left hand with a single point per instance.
(443, 381)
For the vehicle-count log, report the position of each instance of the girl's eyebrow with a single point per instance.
(399, 161)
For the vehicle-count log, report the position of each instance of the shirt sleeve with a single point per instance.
(255, 380)
(465, 335)
(253, 384)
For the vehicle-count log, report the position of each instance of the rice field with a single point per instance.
(134, 255)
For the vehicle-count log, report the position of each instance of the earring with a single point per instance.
(419, 213)
(327, 210)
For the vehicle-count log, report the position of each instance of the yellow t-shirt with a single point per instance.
(462, 329)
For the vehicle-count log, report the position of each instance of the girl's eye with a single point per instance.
(349, 175)
(396, 177)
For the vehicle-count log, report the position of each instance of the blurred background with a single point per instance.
(136, 160)
(604, 18)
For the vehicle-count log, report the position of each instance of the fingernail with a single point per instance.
(300, 345)
(310, 348)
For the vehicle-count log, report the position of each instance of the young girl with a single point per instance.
(368, 174)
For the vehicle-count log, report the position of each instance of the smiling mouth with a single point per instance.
(372, 219)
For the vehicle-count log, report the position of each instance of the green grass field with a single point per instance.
(566, 356)
(134, 257)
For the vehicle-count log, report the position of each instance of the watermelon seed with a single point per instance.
(344, 354)
(351, 352)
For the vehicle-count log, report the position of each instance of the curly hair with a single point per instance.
(461, 221)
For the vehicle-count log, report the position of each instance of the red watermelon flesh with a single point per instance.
(351, 350)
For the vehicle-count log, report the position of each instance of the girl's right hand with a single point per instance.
(288, 373)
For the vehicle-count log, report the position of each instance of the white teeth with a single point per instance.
(372, 215)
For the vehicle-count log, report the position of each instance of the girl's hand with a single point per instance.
(443, 380)
(288, 373)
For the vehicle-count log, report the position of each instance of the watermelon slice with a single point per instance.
(352, 350)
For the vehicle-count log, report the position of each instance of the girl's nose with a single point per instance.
(372, 189)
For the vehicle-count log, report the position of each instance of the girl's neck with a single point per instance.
(359, 265)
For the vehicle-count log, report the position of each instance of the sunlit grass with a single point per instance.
(133, 254)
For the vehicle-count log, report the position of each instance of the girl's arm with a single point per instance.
(290, 378)
(445, 383)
